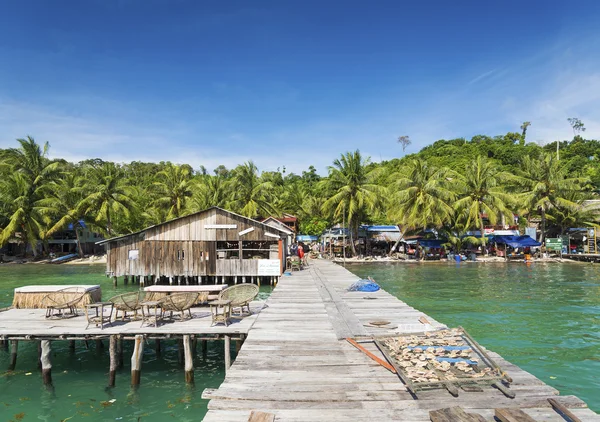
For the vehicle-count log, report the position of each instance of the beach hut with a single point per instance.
(211, 245)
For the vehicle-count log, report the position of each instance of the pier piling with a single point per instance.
(119, 352)
(115, 281)
(72, 347)
(112, 373)
(136, 360)
(227, 353)
(46, 362)
(39, 353)
(157, 348)
(14, 347)
(189, 360)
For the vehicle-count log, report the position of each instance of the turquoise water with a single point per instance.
(543, 317)
(80, 379)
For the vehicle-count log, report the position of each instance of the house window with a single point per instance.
(180, 255)
(133, 254)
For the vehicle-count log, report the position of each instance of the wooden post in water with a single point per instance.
(99, 346)
(125, 280)
(115, 281)
(4, 345)
(119, 352)
(46, 363)
(194, 345)
(39, 352)
(157, 348)
(180, 354)
(189, 360)
(112, 373)
(204, 348)
(71, 346)
(14, 347)
(227, 353)
(136, 360)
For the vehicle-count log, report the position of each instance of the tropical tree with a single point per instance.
(545, 183)
(404, 141)
(480, 191)
(64, 203)
(251, 196)
(524, 127)
(173, 187)
(29, 171)
(353, 191)
(421, 195)
(208, 191)
(108, 195)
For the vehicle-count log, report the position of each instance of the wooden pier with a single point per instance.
(296, 364)
(18, 325)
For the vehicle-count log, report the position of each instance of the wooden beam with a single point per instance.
(512, 415)
(112, 373)
(189, 360)
(72, 346)
(46, 363)
(136, 360)
(563, 411)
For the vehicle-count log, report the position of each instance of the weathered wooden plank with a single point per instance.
(512, 415)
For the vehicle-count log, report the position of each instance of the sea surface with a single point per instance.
(80, 379)
(544, 317)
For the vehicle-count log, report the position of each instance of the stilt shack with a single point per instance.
(211, 243)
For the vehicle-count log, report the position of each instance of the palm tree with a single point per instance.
(353, 190)
(107, 195)
(545, 183)
(421, 195)
(480, 192)
(208, 191)
(173, 186)
(29, 172)
(524, 127)
(63, 203)
(250, 194)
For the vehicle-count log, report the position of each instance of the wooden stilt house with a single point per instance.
(211, 245)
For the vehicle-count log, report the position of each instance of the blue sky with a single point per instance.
(290, 83)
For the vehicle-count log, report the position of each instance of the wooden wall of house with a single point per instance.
(193, 227)
(186, 247)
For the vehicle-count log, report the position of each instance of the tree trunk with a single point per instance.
(482, 229)
(398, 241)
(79, 249)
(352, 238)
(108, 222)
(543, 237)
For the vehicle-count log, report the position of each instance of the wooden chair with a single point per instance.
(240, 296)
(294, 263)
(127, 302)
(67, 299)
(178, 302)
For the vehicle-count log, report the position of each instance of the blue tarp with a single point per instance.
(515, 241)
(364, 286)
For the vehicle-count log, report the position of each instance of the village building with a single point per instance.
(209, 246)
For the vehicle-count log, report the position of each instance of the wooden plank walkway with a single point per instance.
(295, 365)
(31, 324)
